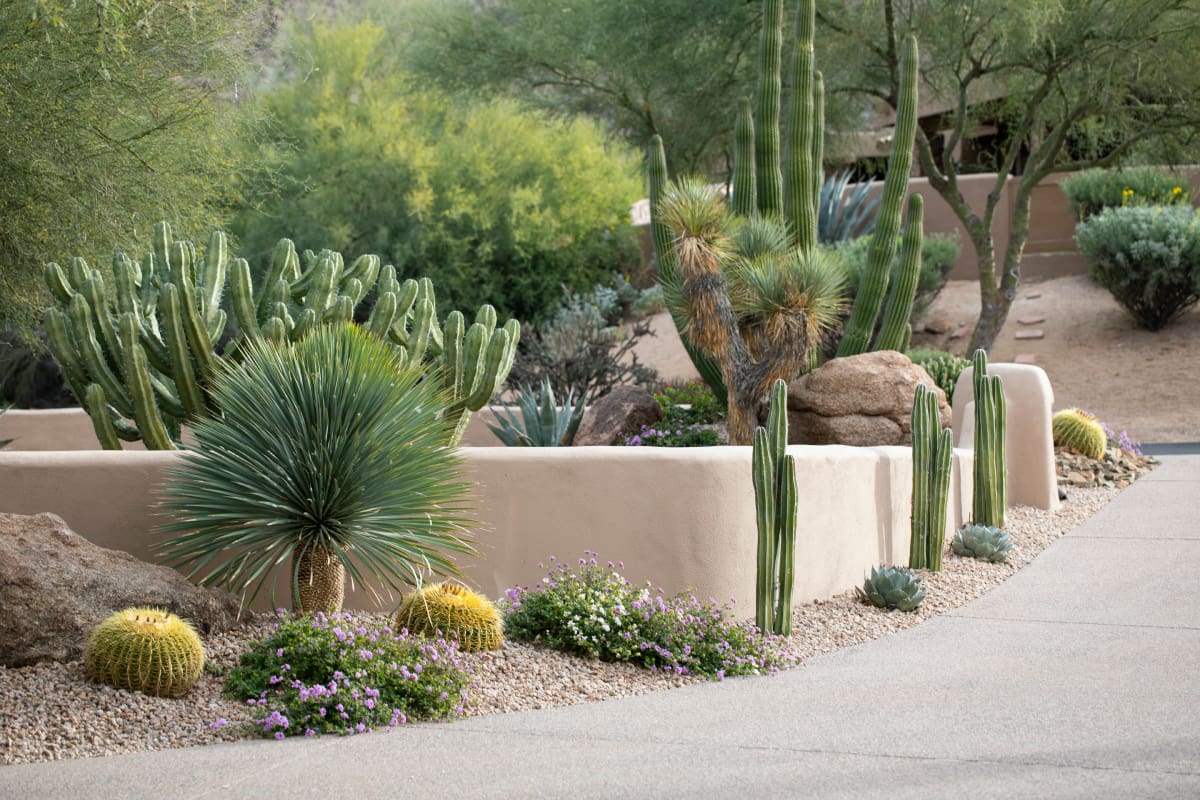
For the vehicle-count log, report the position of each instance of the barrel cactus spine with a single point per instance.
(776, 499)
(990, 501)
(146, 650)
(173, 300)
(932, 450)
(454, 611)
(1080, 431)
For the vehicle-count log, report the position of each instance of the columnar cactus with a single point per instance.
(765, 313)
(990, 475)
(141, 359)
(931, 449)
(776, 498)
(145, 650)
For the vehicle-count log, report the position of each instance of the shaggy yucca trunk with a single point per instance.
(320, 580)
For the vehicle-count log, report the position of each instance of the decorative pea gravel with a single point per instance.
(52, 711)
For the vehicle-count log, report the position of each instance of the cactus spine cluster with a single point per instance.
(1080, 431)
(145, 650)
(931, 451)
(776, 498)
(141, 358)
(455, 612)
(740, 365)
(990, 502)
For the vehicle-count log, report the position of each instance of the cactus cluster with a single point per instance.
(1080, 431)
(145, 650)
(451, 610)
(984, 542)
(892, 587)
(775, 498)
(755, 307)
(990, 502)
(141, 355)
(931, 451)
(943, 367)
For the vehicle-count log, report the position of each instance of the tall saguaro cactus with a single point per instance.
(776, 498)
(759, 279)
(931, 451)
(141, 359)
(990, 499)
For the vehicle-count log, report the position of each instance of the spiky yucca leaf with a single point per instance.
(754, 237)
(695, 212)
(331, 442)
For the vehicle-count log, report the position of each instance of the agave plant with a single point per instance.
(330, 453)
(892, 587)
(543, 422)
(981, 541)
(842, 216)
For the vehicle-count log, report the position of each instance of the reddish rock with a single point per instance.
(56, 586)
(963, 330)
(620, 413)
(861, 400)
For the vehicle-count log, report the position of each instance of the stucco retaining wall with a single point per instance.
(682, 517)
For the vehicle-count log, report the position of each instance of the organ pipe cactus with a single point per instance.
(990, 475)
(142, 357)
(931, 449)
(755, 317)
(776, 498)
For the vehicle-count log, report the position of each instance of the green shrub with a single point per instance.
(938, 253)
(1147, 257)
(703, 407)
(330, 674)
(494, 203)
(1094, 190)
(593, 611)
(943, 367)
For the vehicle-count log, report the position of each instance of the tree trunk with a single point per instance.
(320, 581)
(997, 299)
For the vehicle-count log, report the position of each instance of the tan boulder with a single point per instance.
(864, 400)
(620, 413)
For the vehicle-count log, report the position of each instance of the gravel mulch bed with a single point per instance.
(52, 711)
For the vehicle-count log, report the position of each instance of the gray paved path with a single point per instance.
(1079, 677)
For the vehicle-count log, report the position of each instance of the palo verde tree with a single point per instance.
(115, 115)
(1068, 84)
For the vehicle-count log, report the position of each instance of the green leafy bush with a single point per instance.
(593, 611)
(492, 202)
(330, 674)
(703, 407)
(1147, 257)
(1093, 190)
(938, 253)
(943, 367)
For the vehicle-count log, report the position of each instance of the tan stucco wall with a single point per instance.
(682, 517)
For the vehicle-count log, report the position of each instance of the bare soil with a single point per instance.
(1143, 382)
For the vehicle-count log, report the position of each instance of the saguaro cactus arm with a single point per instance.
(896, 331)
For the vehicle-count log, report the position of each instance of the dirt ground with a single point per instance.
(1143, 382)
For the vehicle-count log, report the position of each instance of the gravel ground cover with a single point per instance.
(52, 711)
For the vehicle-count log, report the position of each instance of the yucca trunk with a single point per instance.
(320, 580)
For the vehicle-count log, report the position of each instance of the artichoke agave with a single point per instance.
(892, 587)
(981, 541)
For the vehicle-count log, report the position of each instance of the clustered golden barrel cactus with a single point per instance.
(453, 611)
(1080, 431)
(145, 650)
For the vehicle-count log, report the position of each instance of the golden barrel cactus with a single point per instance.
(146, 650)
(456, 612)
(1080, 431)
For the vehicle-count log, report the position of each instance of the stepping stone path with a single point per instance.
(1031, 320)
(1037, 333)
(1025, 358)
(1033, 295)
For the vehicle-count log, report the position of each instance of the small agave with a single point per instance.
(981, 541)
(892, 587)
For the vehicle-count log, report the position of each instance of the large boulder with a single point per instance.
(56, 586)
(620, 413)
(862, 400)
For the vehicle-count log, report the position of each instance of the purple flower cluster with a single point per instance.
(1123, 441)
(680, 435)
(594, 611)
(324, 674)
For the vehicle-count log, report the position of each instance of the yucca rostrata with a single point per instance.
(142, 358)
(747, 285)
